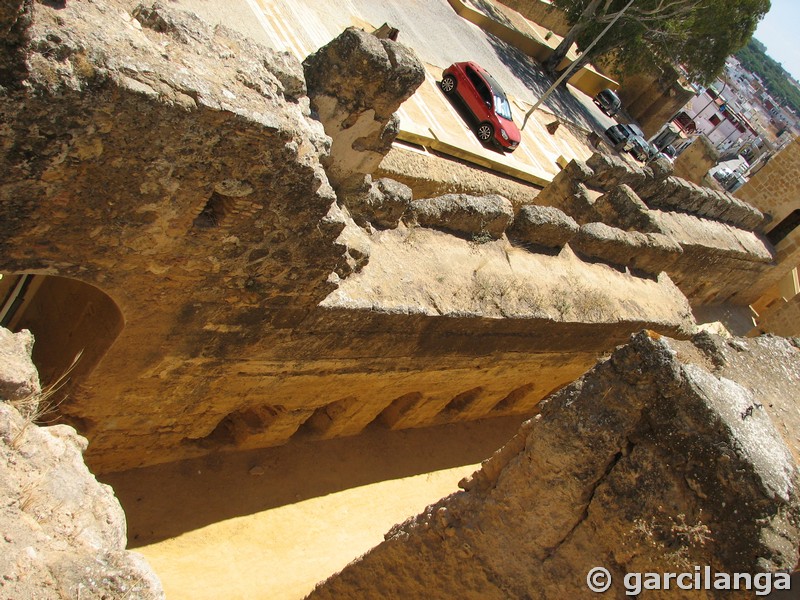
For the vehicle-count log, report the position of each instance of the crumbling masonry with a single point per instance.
(181, 173)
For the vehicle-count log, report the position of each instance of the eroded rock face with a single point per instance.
(356, 83)
(471, 215)
(666, 456)
(63, 532)
(18, 377)
(544, 226)
(381, 203)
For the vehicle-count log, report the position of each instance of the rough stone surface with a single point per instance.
(543, 226)
(622, 208)
(683, 196)
(717, 257)
(356, 83)
(649, 252)
(168, 164)
(611, 171)
(470, 215)
(663, 457)
(63, 533)
(19, 379)
(382, 203)
(172, 169)
(15, 18)
(570, 194)
(714, 229)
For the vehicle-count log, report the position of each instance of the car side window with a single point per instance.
(480, 85)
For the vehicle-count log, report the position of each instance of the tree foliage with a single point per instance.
(698, 34)
(777, 81)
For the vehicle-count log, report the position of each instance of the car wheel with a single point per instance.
(448, 84)
(485, 132)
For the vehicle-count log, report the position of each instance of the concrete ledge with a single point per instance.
(434, 143)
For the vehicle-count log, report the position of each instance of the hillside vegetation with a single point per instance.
(777, 81)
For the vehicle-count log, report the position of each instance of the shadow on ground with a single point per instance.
(164, 501)
(561, 102)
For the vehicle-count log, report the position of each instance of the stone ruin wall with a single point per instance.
(775, 190)
(695, 161)
(665, 456)
(245, 284)
(64, 534)
(178, 169)
(646, 218)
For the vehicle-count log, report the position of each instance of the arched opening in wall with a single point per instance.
(68, 319)
(785, 227)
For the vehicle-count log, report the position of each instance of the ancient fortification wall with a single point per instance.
(647, 219)
(178, 170)
(775, 190)
(185, 182)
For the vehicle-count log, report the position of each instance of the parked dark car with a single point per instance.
(487, 102)
(620, 133)
(640, 148)
(670, 151)
(608, 102)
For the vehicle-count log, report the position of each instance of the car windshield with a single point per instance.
(502, 107)
(609, 96)
(636, 130)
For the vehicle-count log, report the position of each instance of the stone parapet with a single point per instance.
(471, 215)
(714, 229)
(356, 82)
(543, 226)
(648, 252)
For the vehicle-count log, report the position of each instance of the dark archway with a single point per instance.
(68, 318)
(785, 227)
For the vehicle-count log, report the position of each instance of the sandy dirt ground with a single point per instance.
(270, 524)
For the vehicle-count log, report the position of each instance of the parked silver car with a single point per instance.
(608, 102)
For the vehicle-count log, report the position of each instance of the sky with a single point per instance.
(778, 32)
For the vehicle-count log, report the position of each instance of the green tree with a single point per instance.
(698, 34)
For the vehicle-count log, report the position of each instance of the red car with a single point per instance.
(487, 102)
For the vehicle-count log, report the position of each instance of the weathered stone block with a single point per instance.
(382, 202)
(356, 82)
(18, 376)
(566, 185)
(609, 171)
(622, 208)
(661, 168)
(543, 226)
(651, 252)
(471, 215)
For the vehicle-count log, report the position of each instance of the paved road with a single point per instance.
(440, 37)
